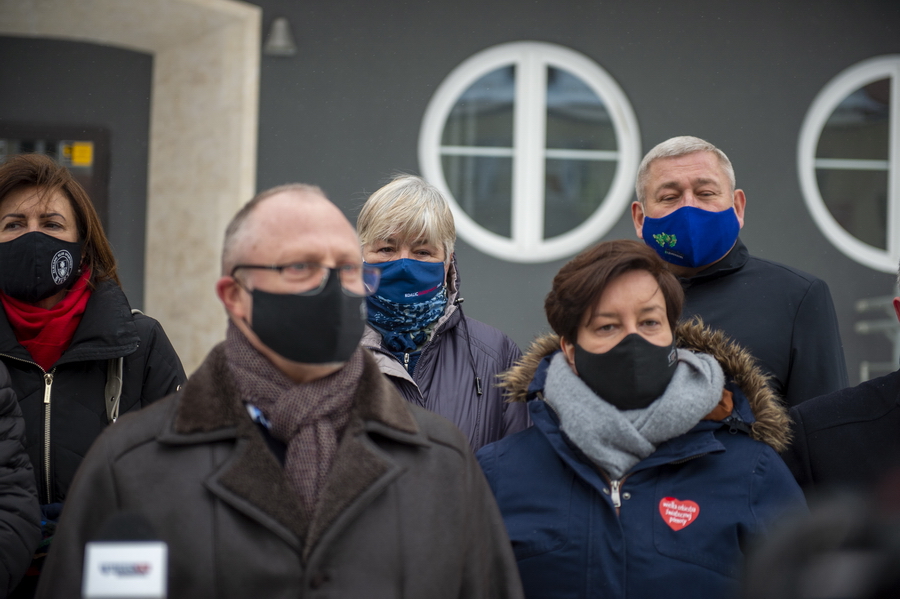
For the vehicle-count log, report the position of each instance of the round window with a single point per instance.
(535, 146)
(848, 160)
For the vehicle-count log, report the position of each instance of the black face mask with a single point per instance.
(35, 266)
(312, 329)
(631, 375)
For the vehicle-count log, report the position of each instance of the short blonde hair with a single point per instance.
(408, 209)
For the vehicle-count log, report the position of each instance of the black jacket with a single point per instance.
(20, 515)
(784, 316)
(64, 408)
(847, 438)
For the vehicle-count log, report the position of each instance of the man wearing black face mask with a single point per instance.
(288, 463)
(689, 211)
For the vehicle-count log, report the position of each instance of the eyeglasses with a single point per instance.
(358, 280)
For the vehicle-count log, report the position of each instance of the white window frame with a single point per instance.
(531, 60)
(821, 109)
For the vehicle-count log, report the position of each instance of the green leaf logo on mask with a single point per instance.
(664, 238)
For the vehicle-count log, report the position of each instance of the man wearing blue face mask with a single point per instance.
(690, 213)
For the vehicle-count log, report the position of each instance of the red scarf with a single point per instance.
(46, 334)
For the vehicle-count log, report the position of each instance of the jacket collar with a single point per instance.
(106, 331)
(733, 261)
(698, 441)
(209, 409)
(526, 378)
(388, 363)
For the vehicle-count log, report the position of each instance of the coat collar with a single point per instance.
(733, 261)
(106, 331)
(209, 409)
(772, 424)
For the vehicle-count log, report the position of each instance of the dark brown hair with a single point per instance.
(580, 283)
(42, 172)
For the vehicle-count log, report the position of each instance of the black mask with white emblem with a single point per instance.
(35, 266)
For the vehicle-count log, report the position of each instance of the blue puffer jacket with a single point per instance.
(674, 526)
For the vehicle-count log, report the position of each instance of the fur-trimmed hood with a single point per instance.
(772, 423)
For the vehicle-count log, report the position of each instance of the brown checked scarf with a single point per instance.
(309, 418)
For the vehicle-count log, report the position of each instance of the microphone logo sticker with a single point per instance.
(123, 569)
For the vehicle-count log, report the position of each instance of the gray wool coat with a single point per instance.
(405, 510)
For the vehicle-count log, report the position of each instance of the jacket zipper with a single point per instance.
(48, 382)
(406, 361)
(615, 490)
(614, 493)
(615, 486)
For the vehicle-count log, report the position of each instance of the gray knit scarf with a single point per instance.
(309, 418)
(616, 439)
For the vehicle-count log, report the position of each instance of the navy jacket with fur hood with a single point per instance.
(675, 525)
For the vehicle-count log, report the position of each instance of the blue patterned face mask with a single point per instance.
(407, 281)
(692, 236)
(410, 296)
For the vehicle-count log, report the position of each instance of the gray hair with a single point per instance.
(675, 148)
(408, 209)
(236, 226)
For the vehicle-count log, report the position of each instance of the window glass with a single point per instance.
(577, 119)
(859, 127)
(574, 190)
(857, 199)
(482, 186)
(483, 116)
(576, 116)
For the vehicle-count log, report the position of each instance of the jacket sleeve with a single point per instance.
(20, 514)
(515, 415)
(773, 493)
(91, 500)
(796, 456)
(817, 355)
(163, 372)
(491, 568)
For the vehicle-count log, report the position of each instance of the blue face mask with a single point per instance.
(408, 281)
(691, 236)
(410, 296)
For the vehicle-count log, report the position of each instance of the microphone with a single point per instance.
(125, 560)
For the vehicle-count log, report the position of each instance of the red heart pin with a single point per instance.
(678, 513)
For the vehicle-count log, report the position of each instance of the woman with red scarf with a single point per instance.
(67, 332)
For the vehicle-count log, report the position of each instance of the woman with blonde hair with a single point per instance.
(436, 356)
